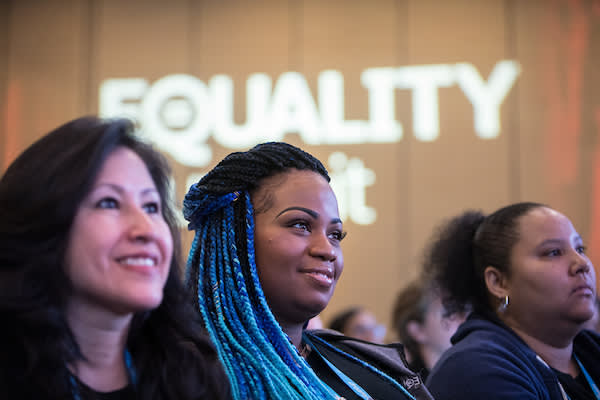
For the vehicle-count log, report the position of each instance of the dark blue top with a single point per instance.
(490, 362)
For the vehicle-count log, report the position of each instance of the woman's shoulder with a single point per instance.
(481, 341)
(487, 361)
(587, 347)
(480, 372)
(372, 361)
(588, 338)
(489, 336)
(386, 356)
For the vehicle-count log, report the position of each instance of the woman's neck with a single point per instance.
(557, 352)
(101, 337)
(294, 332)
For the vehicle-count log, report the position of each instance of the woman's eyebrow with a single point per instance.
(121, 189)
(310, 212)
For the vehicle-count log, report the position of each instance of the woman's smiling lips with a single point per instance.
(144, 263)
(323, 276)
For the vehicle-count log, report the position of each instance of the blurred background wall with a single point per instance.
(419, 108)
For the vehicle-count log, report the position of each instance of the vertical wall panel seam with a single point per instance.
(295, 32)
(513, 130)
(4, 100)
(87, 50)
(192, 10)
(406, 141)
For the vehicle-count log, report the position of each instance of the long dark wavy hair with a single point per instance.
(40, 194)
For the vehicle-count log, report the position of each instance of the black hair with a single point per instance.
(40, 194)
(464, 246)
(247, 170)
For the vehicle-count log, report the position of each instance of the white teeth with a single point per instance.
(324, 275)
(145, 261)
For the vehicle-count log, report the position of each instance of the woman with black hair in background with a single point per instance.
(90, 296)
(360, 323)
(422, 325)
(532, 288)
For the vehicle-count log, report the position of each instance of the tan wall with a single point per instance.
(56, 53)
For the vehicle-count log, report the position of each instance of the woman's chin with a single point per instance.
(144, 303)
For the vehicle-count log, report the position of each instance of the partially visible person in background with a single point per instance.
(315, 322)
(359, 323)
(422, 325)
(91, 302)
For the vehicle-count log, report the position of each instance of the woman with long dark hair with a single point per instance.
(90, 296)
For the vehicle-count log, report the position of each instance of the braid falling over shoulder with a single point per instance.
(260, 360)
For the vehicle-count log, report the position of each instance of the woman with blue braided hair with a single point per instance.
(265, 259)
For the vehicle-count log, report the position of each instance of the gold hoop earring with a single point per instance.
(503, 305)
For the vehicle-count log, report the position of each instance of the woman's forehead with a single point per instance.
(290, 186)
(544, 223)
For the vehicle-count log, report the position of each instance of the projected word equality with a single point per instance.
(180, 112)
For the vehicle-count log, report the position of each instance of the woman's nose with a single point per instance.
(141, 226)
(581, 263)
(322, 247)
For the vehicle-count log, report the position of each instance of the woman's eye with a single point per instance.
(300, 225)
(338, 235)
(581, 249)
(553, 253)
(151, 208)
(107, 202)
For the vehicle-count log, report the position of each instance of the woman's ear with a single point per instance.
(496, 282)
(414, 329)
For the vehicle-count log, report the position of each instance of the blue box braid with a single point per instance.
(259, 358)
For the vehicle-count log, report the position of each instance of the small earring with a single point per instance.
(504, 305)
